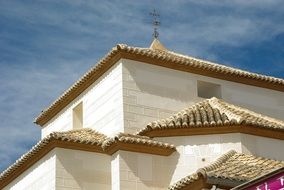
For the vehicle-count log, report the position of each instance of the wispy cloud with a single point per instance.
(46, 45)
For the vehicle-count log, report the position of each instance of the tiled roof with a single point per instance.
(260, 179)
(194, 62)
(85, 136)
(160, 56)
(184, 182)
(135, 139)
(96, 142)
(231, 168)
(213, 112)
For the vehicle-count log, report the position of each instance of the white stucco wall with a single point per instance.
(81, 170)
(126, 98)
(263, 147)
(194, 152)
(115, 172)
(152, 92)
(139, 171)
(40, 176)
(102, 106)
(132, 94)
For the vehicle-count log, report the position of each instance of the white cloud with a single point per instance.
(51, 43)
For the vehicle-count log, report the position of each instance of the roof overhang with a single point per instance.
(260, 179)
(126, 143)
(190, 131)
(230, 170)
(137, 54)
(224, 183)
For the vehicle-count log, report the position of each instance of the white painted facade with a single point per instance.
(102, 106)
(82, 170)
(194, 152)
(132, 94)
(39, 176)
(63, 169)
(138, 171)
(125, 99)
(152, 92)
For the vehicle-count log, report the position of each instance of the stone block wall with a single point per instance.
(194, 152)
(149, 95)
(102, 106)
(263, 146)
(153, 92)
(41, 175)
(131, 94)
(138, 171)
(82, 170)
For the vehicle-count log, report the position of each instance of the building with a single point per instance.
(150, 118)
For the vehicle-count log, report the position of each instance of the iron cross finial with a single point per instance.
(155, 22)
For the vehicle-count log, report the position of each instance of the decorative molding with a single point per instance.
(225, 172)
(4, 181)
(150, 56)
(74, 92)
(245, 129)
(139, 148)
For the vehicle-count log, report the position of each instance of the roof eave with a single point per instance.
(79, 87)
(221, 182)
(123, 51)
(222, 129)
(179, 64)
(259, 179)
(141, 148)
(48, 144)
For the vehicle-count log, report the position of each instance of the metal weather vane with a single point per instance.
(156, 23)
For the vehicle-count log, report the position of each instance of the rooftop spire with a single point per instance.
(155, 23)
(156, 44)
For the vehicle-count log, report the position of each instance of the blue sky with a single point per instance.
(46, 45)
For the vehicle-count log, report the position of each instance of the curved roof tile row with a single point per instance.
(96, 141)
(168, 59)
(213, 112)
(232, 166)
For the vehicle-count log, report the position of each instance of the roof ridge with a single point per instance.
(226, 167)
(195, 110)
(127, 137)
(211, 63)
(201, 172)
(99, 143)
(199, 60)
(219, 161)
(212, 112)
(219, 104)
(186, 110)
(159, 57)
(237, 111)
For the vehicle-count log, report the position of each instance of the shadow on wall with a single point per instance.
(162, 82)
(146, 171)
(198, 151)
(263, 146)
(83, 170)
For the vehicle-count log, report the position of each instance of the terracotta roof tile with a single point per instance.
(159, 54)
(213, 112)
(89, 137)
(232, 166)
(85, 136)
(136, 139)
(259, 178)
